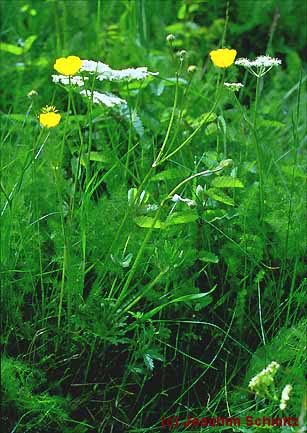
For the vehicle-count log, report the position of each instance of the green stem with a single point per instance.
(156, 162)
(259, 151)
(189, 138)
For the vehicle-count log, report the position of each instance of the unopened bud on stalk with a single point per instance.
(182, 55)
(170, 38)
(191, 69)
(226, 163)
(32, 94)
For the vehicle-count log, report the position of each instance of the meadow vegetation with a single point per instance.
(153, 220)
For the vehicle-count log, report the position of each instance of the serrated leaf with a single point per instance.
(220, 196)
(149, 222)
(208, 257)
(227, 182)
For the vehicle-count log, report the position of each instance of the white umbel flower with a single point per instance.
(260, 66)
(107, 99)
(94, 67)
(235, 87)
(264, 61)
(104, 72)
(285, 397)
(126, 74)
(76, 80)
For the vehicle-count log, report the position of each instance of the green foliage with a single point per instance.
(153, 258)
(23, 398)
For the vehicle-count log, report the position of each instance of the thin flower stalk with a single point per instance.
(190, 137)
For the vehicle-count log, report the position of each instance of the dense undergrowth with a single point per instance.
(154, 257)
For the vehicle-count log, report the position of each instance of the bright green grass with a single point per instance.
(119, 305)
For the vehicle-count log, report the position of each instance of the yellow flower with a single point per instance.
(68, 65)
(223, 58)
(49, 117)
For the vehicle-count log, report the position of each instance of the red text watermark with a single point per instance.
(248, 421)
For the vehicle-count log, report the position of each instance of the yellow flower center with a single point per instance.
(223, 58)
(68, 65)
(49, 117)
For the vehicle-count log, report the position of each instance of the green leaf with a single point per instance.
(203, 303)
(220, 196)
(29, 42)
(171, 81)
(267, 123)
(205, 117)
(185, 298)
(208, 257)
(10, 48)
(181, 218)
(169, 174)
(15, 49)
(211, 129)
(18, 117)
(227, 182)
(96, 156)
(182, 11)
(149, 222)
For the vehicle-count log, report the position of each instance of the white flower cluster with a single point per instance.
(107, 99)
(260, 61)
(285, 396)
(235, 87)
(263, 380)
(260, 66)
(76, 80)
(104, 72)
(101, 72)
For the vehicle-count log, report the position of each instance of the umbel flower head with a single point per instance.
(49, 117)
(235, 87)
(223, 57)
(68, 65)
(77, 80)
(103, 72)
(260, 66)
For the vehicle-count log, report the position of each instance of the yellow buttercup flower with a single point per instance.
(68, 65)
(223, 58)
(49, 117)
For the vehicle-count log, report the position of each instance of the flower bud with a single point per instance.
(170, 38)
(32, 94)
(226, 163)
(191, 69)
